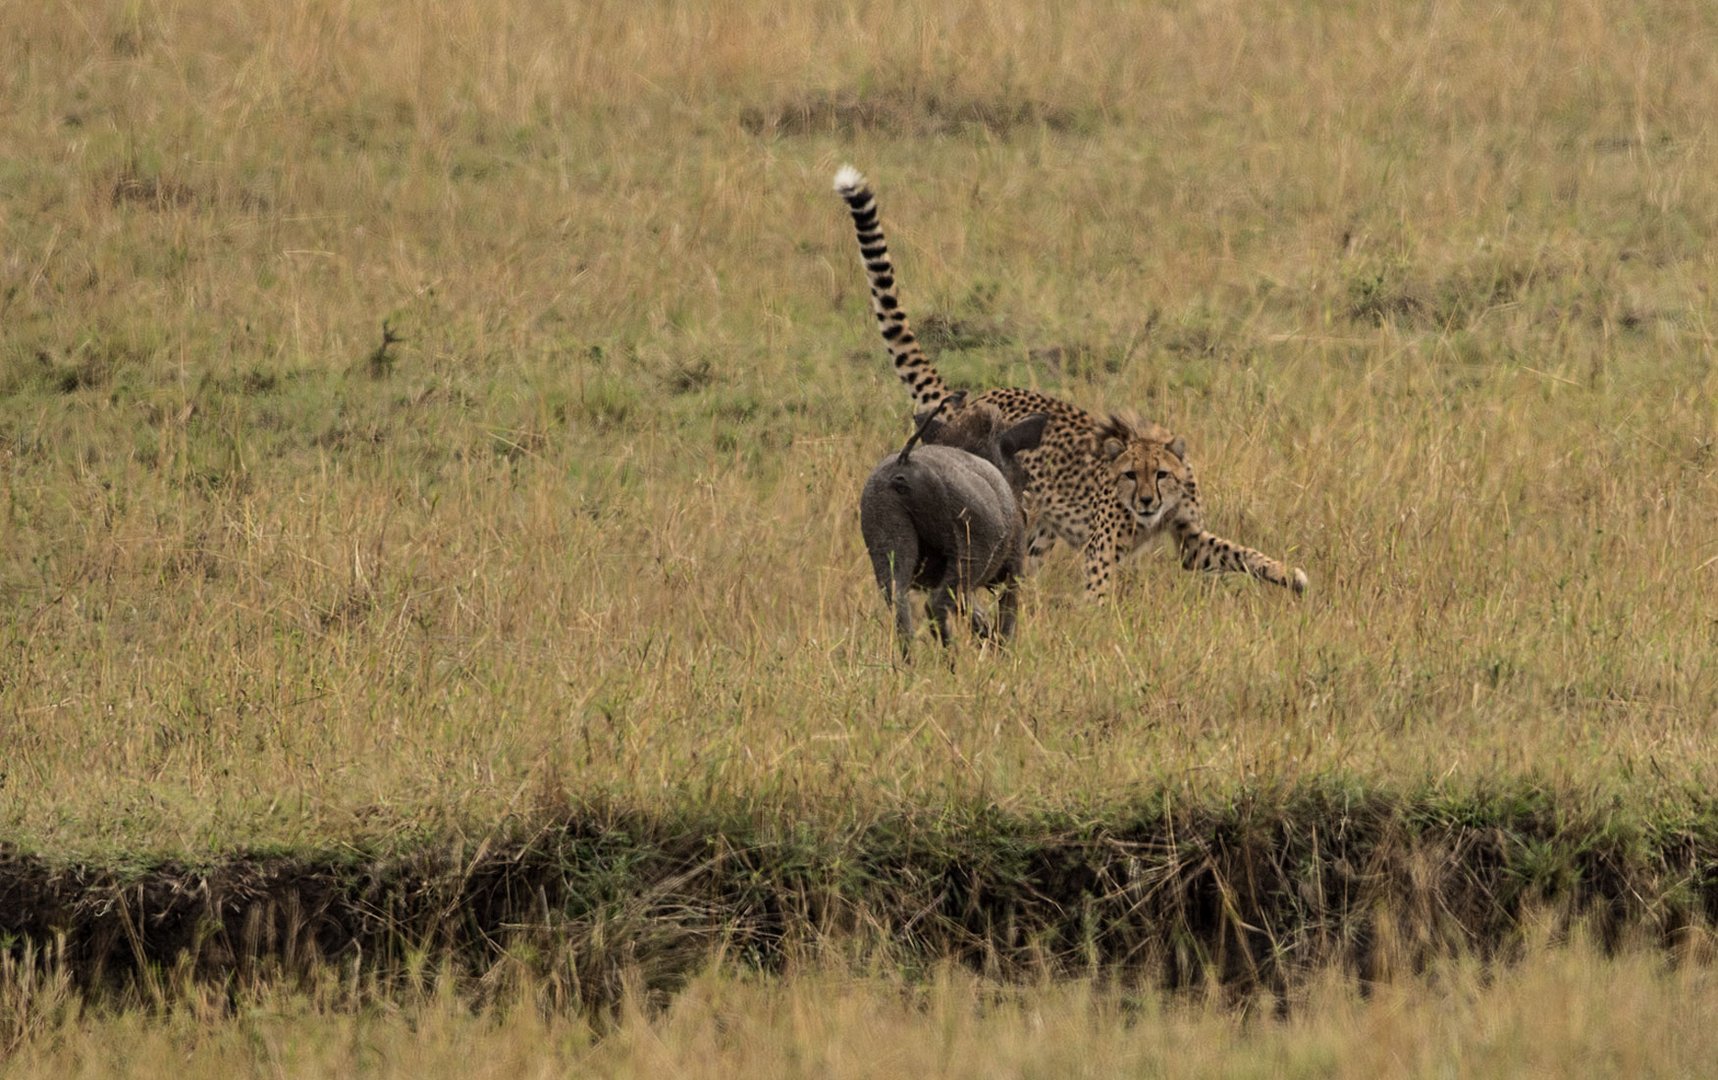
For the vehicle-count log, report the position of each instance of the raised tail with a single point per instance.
(911, 364)
(925, 420)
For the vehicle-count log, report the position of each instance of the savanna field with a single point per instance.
(437, 636)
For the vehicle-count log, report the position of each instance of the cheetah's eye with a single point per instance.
(1130, 475)
(1163, 474)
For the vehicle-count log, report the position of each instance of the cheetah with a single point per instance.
(1105, 487)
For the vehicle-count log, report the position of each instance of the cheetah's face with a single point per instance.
(1150, 476)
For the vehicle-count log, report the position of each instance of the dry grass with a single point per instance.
(1566, 1011)
(1425, 290)
(1426, 287)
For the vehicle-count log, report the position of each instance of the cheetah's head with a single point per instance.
(1148, 467)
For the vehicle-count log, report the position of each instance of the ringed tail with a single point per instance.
(912, 366)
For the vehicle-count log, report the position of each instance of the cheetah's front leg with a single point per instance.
(1206, 551)
(1103, 553)
(1039, 543)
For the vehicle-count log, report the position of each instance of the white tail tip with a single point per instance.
(1299, 582)
(849, 179)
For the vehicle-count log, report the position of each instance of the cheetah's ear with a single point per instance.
(1114, 436)
(1178, 447)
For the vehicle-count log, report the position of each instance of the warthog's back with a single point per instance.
(955, 504)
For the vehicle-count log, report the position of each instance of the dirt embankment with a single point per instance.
(1250, 894)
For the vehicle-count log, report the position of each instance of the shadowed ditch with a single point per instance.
(1249, 894)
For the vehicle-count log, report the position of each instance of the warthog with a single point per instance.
(945, 517)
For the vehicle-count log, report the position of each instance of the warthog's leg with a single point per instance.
(894, 571)
(1008, 608)
(945, 597)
